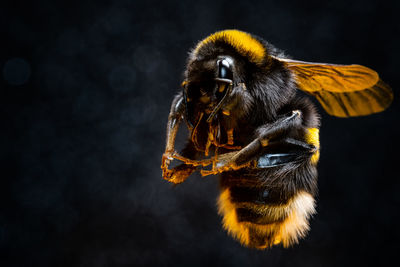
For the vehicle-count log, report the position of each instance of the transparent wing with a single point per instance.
(342, 90)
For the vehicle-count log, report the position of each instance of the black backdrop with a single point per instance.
(85, 93)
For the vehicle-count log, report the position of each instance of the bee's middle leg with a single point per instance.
(265, 134)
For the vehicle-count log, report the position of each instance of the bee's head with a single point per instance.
(232, 71)
(210, 85)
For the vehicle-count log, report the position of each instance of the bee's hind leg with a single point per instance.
(275, 130)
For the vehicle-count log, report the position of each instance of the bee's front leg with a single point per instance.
(180, 173)
(174, 119)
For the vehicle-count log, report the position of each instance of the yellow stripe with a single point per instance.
(230, 222)
(295, 226)
(243, 42)
(312, 138)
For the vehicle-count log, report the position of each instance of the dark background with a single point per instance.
(85, 94)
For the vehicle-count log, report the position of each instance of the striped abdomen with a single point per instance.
(265, 207)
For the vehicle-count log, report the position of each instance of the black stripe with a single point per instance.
(257, 195)
(248, 215)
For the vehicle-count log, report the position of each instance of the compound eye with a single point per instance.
(224, 69)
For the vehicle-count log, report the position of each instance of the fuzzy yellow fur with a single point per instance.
(243, 42)
(312, 137)
(287, 232)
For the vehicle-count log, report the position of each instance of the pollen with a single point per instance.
(242, 42)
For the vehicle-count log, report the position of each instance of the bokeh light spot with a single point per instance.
(16, 71)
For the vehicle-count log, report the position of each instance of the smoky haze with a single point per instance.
(85, 95)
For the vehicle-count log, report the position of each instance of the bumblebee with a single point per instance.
(248, 123)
